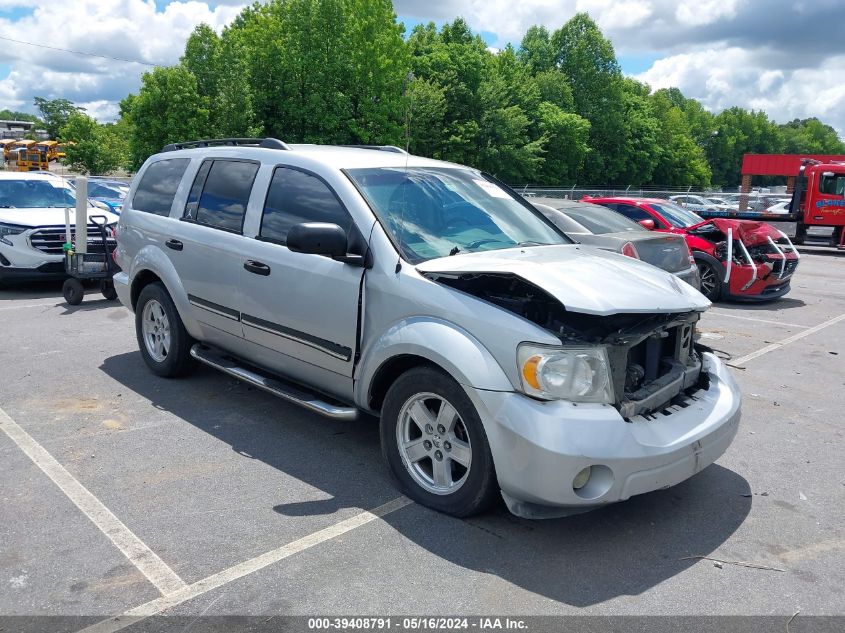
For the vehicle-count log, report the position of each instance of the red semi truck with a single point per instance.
(818, 199)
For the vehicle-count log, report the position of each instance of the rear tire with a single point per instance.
(435, 446)
(107, 289)
(164, 342)
(73, 291)
(711, 279)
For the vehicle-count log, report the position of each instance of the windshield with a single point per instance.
(677, 216)
(433, 212)
(31, 194)
(601, 221)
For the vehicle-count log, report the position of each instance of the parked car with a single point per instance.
(780, 207)
(696, 203)
(757, 264)
(723, 204)
(598, 226)
(32, 226)
(499, 355)
(108, 192)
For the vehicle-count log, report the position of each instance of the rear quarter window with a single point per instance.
(158, 186)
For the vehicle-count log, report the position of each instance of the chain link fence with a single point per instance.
(752, 201)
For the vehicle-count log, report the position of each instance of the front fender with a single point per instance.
(441, 342)
(151, 258)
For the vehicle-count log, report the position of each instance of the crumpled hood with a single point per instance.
(749, 232)
(583, 278)
(49, 216)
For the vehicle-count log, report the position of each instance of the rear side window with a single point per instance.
(158, 186)
(634, 213)
(220, 194)
(295, 197)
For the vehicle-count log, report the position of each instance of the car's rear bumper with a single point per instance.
(690, 276)
(540, 447)
(123, 289)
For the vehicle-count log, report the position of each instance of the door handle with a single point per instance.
(257, 267)
(176, 245)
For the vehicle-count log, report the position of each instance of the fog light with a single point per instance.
(582, 478)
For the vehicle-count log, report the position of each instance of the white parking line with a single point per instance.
(795, 337)
(147, 561)
(745, 318)
(215, 581)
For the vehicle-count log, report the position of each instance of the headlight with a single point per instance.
(571, 373)
(10, 229)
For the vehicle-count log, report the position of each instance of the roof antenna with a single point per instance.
(405, 87)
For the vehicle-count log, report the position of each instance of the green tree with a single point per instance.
(15, 115)
(96, 149)
(588, 62)
(536, 50)
(55, 113)
(737, 132)
(325, 71)
(567, 136)
(810, 136)
(427, 114)
(167, 109)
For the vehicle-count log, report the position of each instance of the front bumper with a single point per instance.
(539, 447)
(44, 272)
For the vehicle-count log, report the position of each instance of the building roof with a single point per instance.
(780, 164)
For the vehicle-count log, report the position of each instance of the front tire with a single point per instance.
(435, 446)
(164, 342)
(710, 279)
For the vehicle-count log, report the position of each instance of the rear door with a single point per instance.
(303, 307)
(206, 245)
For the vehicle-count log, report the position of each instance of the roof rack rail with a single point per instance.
(268, 143)
(383, 148)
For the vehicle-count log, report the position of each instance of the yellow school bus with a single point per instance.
(6, 144)
(50, 148)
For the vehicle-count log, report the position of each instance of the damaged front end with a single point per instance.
(757, 257)
(654, 363)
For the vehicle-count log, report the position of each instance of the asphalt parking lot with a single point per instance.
(126, 493)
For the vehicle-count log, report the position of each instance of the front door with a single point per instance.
(302, 307)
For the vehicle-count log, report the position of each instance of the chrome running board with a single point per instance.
(276, 386)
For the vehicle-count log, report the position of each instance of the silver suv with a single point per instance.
(500, 357)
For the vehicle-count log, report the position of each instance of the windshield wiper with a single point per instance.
(532, 243)
(454, 251)
(478, 243)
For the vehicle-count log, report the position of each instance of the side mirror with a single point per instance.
(317, 238)
(647, 224)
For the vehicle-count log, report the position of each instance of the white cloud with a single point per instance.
(617, 14)
(701, 12)
(128, 29)
(721, 78)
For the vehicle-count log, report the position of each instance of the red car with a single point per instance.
(756, 264)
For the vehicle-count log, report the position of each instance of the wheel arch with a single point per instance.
(425, 342)
(151, 265)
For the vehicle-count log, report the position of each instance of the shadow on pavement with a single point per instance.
(784, 303)
(623, 549)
